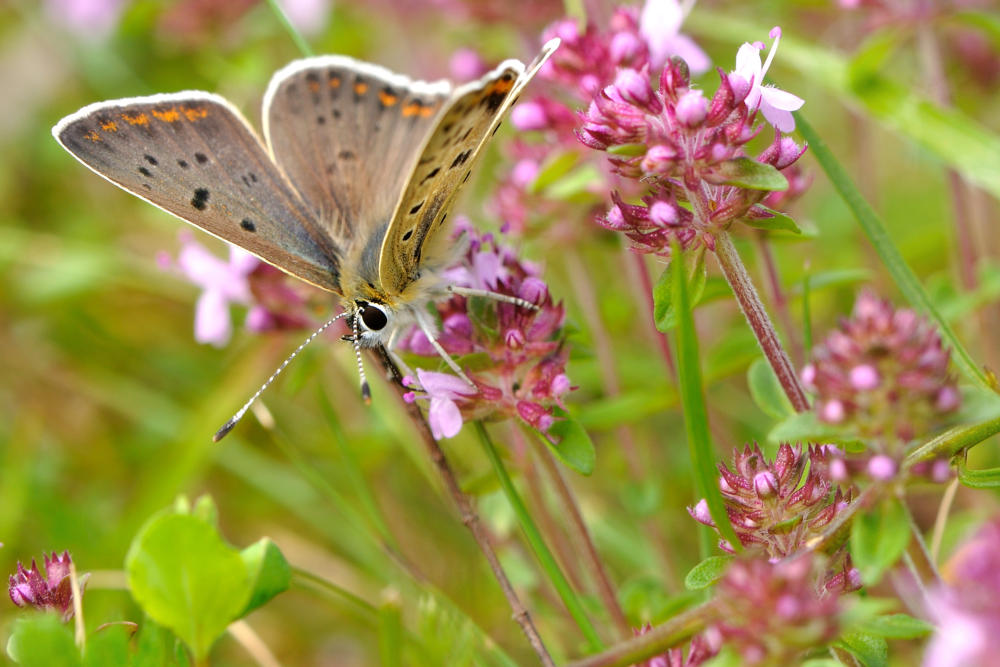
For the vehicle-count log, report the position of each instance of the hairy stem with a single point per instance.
(777, 294)
(756, 315)
(469, 516)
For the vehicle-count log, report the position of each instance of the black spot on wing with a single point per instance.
(200, 199)
(413, 211)
(320, 120)
(346, 155)
(248, 225)
(145, 172)
(151, 160)
(408, 234)
(460, 158)
(201, 158)
(431, 174)
(494, 100)
(182, 164)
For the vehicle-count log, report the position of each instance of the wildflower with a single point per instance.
(776, 506)
(520, 361)
(776, 105)
(700, 651)
(883, 373)
(966, 611)
(90, 19)
(660, 25)
(53, 591)
(308, 16)
(771, 612)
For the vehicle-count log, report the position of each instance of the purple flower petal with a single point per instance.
(444, 417)
(211, 319)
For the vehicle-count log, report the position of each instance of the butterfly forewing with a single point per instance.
(346, 133)
(193, 155)
(445, 164)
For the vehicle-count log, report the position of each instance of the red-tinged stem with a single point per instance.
(778, 297)
(756, 315)
(469, 516)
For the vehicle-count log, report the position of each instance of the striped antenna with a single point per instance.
(366, 391)
(228, 426)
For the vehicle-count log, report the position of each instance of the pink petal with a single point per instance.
(443, 385)
(659, 23)
(783, 120)
(444, 417)
(211, 319)
(685, 47)
(242, 262)
(780, 99)
(748, 64)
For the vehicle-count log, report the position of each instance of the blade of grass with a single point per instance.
(900, 271)
(545, 558)
(693, 404)
(293, 32)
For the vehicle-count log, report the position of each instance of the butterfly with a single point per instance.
(349, 190)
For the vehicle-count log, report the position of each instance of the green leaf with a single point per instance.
(807, 427)
(767, 392)
(870, 651)
(575, 448)
(898, 626)
(695, 276)
(901, 272)
(42, 640)
(628, 150)
(746, 172)
(693, 404)
(109, 646)
(978, 479)
(707, 572)
(154, 646)
(269, 571)
(878, 539)
(778, 222)
(187, 579)
(554, 168)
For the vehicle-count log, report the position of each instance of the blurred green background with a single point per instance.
(107, 405)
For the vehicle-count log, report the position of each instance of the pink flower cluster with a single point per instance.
(883, 372)
(770, 505)
(51, 591)
(514, 355)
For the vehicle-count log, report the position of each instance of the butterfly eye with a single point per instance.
(373, 317)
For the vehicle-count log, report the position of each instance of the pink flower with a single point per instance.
(221, 282)
(89, 19)
(442, 389)
(29, 588)
(776, 105)
(308, 16)
(660, 26)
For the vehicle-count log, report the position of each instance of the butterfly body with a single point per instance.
(349, 190)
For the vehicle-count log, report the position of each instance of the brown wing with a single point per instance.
(345, 133)
(194, 155)
(445, 163)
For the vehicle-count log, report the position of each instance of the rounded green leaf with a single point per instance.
(42, 640)
(878, 538)
(574, 448)
(767, 392)
(186, 578)
(707, 572)
(269, 570)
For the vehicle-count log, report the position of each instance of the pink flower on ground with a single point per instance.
(776, 105)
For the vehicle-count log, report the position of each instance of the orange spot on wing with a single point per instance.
(136, 119)
(194, 113)
(412, 109)
(171, 115)
(92, 136)
(502, 86)
(426, 112)
(386, 99)
(109, 126)
(360, 88)
(313, 86)
(335, 82)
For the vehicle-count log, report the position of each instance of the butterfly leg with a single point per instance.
(429, 332)
(486, 294)
(396, 359)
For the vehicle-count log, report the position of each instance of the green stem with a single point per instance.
(654, 642)
(293, 32)
(545, 557)
(919, 537)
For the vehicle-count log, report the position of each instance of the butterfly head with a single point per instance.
(375, 321)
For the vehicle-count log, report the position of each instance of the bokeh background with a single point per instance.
(107, 404)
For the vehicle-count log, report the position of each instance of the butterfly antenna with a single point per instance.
(228, 426)
(366, 391)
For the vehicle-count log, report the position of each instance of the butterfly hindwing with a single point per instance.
(345, 133)
(195, 156)
(444, 165)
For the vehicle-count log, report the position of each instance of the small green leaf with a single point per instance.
(154, 646)
(695, 275)
(42, 640)
(745, 172)
(878, 539)
(187, 579)
(870, 651)
(707, 572)
(778, 222)
(628, 150)
(553, 169)
(575, 448)
(978, 479)
(270, 572)
(767, 392)
(898, 626)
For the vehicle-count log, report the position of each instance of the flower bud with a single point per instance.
(691, 108)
